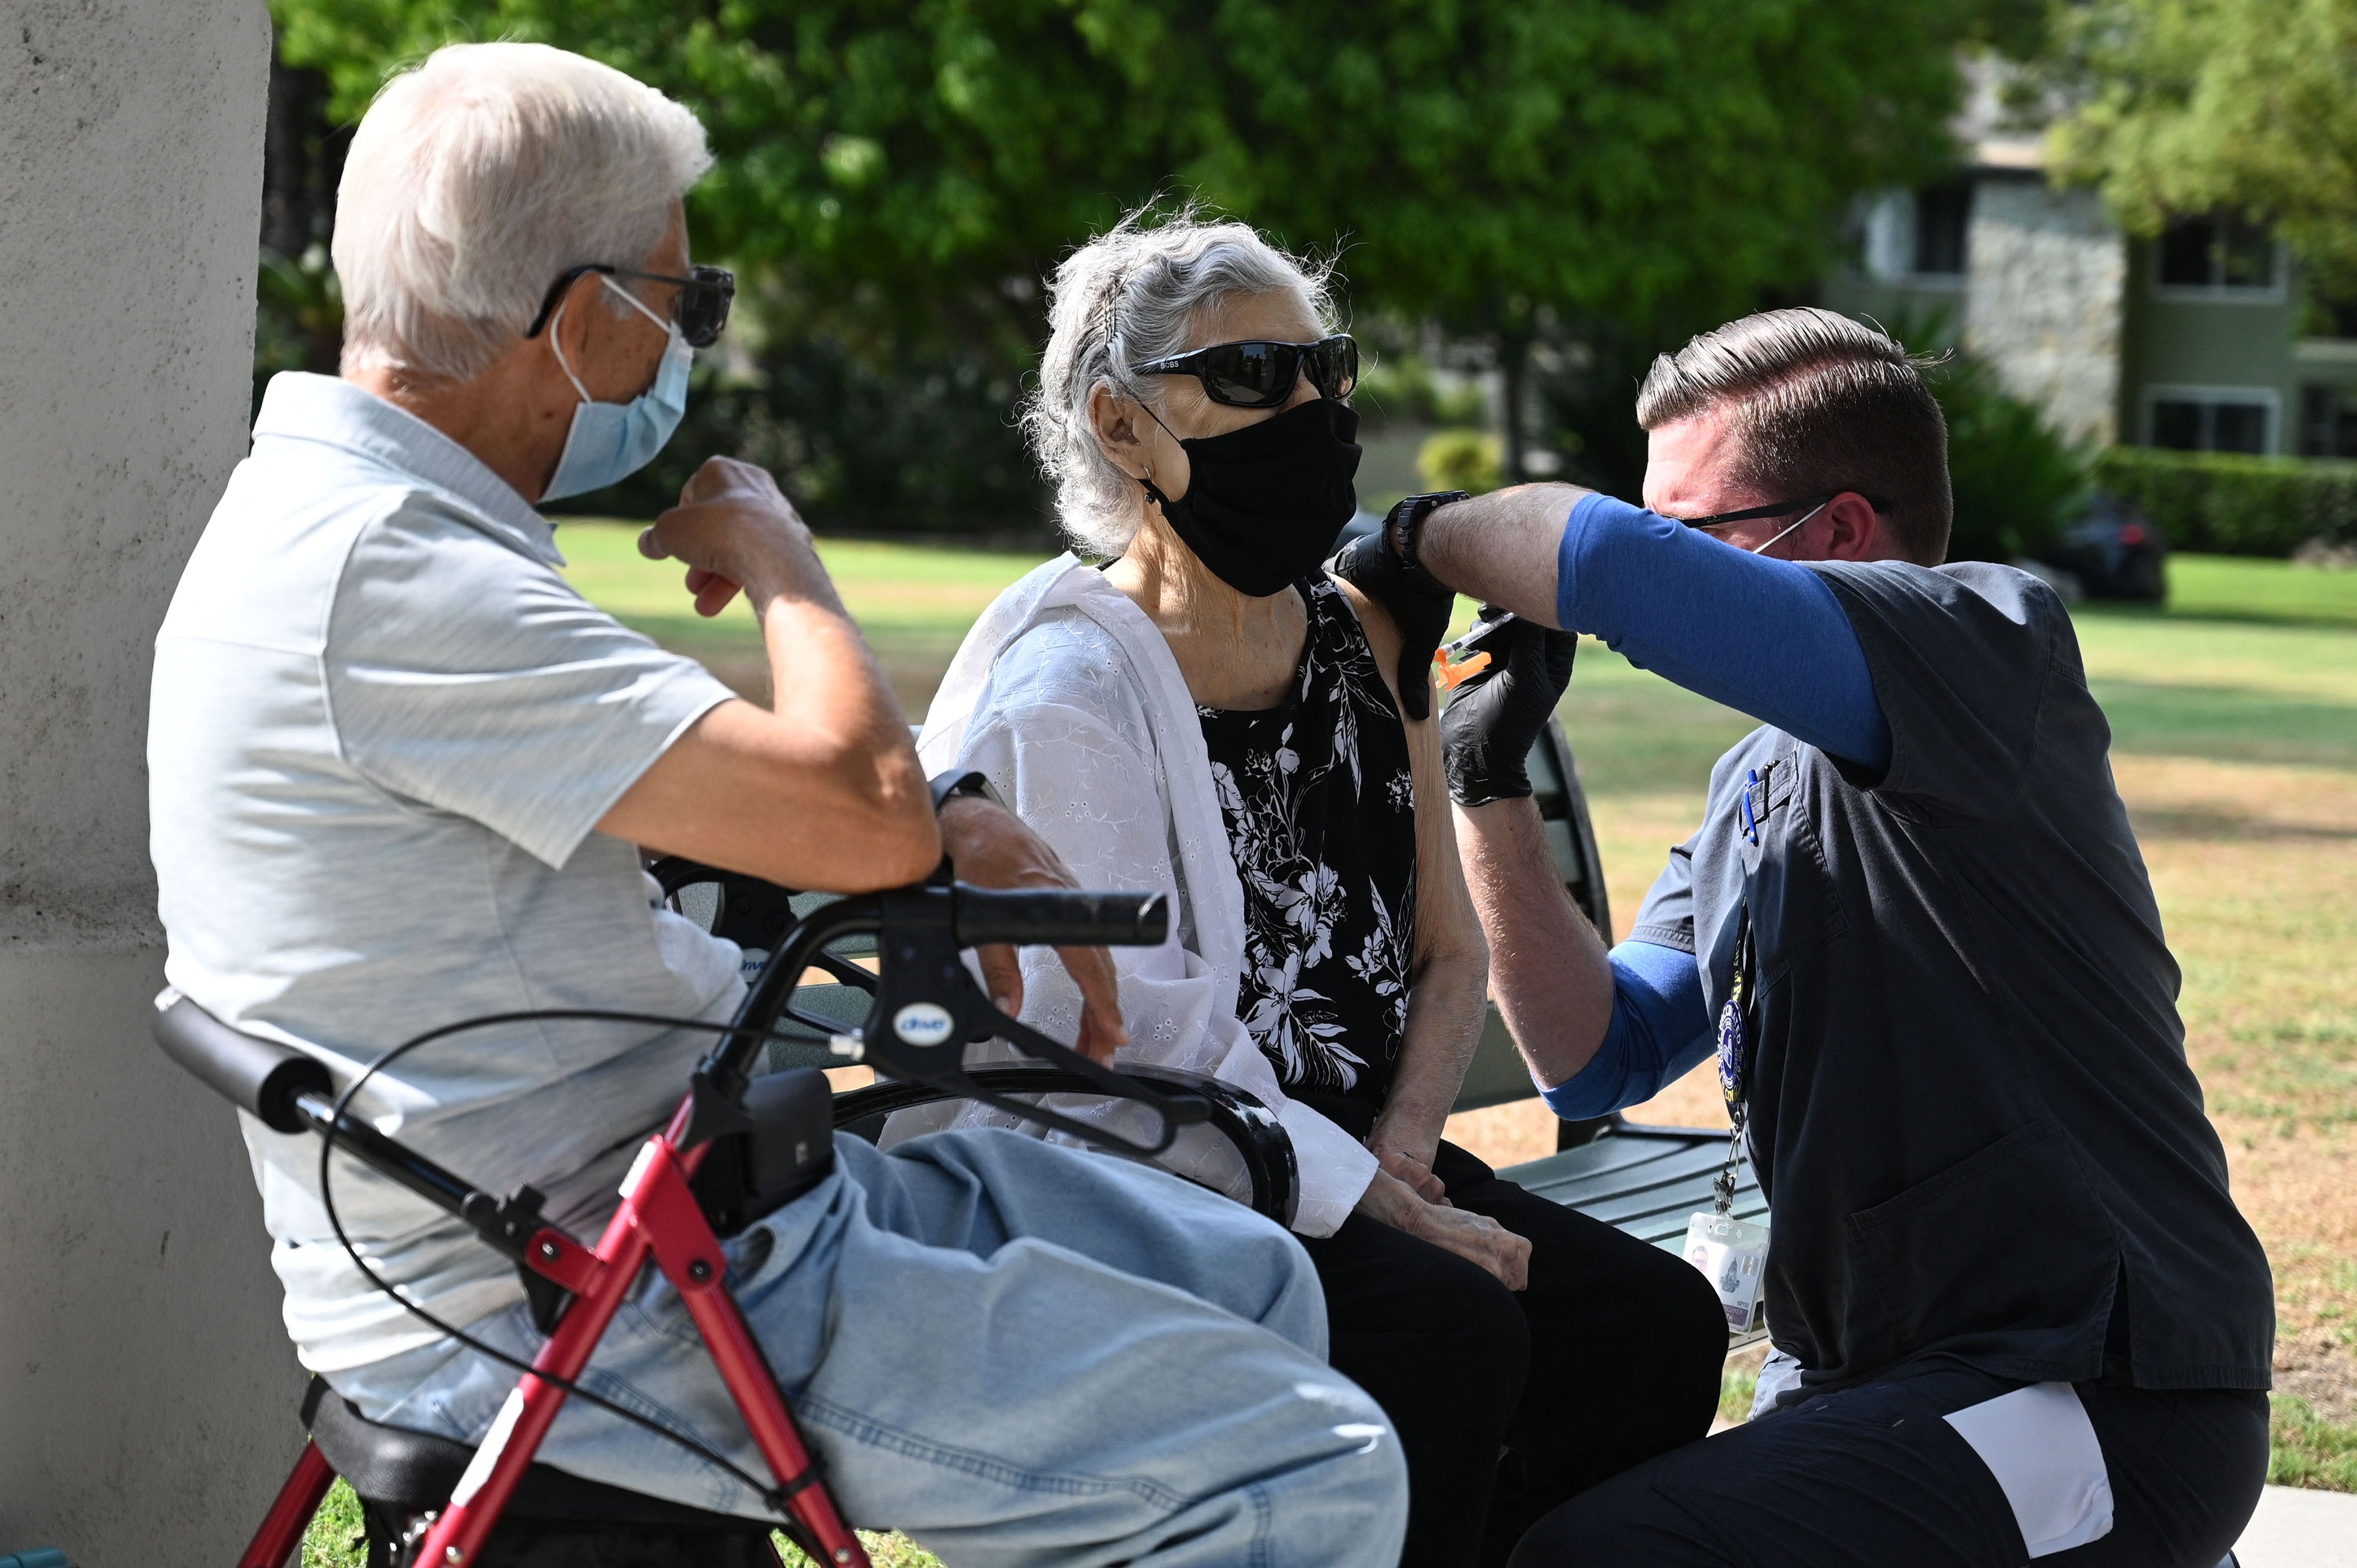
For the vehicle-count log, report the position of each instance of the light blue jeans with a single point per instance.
(1015, 1352)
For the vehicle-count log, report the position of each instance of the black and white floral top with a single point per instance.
(1320, 815)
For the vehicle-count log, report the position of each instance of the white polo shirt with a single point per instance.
(382, 733)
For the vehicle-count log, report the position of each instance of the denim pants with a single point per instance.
(1015, 1352)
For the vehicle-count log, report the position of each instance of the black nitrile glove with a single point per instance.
(1419, 603)
(1496, 716)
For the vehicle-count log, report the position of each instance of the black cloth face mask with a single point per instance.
(1265, 503)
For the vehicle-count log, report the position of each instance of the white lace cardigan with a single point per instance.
(1066, 696)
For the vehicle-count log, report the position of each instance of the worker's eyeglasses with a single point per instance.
(1780, 509)
(1808, 507)
(700, 309)
(1263, 374)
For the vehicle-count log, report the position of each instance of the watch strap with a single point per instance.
(960, 781)
(1407, 525)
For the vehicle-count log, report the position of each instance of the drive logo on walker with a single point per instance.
(922, 1024)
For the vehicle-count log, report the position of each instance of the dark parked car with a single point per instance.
(2114, 550)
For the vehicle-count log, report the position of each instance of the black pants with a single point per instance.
(1872, 1477)
(1611, 1357)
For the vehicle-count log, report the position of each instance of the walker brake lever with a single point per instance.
(928, 1008)
(1174, 1110)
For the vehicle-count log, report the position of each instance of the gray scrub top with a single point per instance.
(1970, 1105)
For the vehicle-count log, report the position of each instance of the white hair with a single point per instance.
(1129, 296)
(476, 179)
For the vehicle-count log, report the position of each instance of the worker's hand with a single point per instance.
(991, 847)
(1474, 1237)
(736, 530)
(1420, 606)
(1496, 714)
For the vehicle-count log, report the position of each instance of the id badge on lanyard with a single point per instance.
(1733, 1253)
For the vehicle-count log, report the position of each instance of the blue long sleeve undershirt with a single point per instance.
(1765, 636)
(1660, 1032)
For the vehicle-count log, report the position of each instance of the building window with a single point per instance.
(2211, 419)
(2327, 422)
(2329, 316)
(1944, 218)
(2218, 254)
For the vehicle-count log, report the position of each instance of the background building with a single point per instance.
(2204, 339)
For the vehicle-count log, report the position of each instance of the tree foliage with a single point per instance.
(934, 157)
(896, 177)
(2192, 105)
(2016, 483)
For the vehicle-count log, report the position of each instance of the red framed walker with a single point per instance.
(925, 1008)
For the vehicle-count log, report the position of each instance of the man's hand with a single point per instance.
(1474, 1237)
(991, 847)
(1420, 605)
(735, 529)
(1497, 715)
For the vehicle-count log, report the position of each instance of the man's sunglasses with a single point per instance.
(700, 308)
(1781, 509)
(1261, 374)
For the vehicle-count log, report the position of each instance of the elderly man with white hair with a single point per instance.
(402, 774)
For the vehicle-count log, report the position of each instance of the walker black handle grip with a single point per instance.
(1029, 917)
(262, 1075)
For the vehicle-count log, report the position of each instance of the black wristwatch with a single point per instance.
(945, 786)
(1405, 525)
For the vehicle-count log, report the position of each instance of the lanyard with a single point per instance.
(1734, 1056)
(1735, 1041)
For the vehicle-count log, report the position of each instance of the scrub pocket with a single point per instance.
(2010, 1238)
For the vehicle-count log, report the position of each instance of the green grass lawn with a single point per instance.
(913, 601)
(2240, 587)
(2235, 720)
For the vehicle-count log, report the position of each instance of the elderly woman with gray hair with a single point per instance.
(1210, 713)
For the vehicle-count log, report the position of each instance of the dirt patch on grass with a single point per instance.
(2255, 868)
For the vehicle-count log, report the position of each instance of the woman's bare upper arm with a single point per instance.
(1444, 921)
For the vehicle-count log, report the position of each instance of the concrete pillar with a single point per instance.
(146, 1387)
(2044, 298)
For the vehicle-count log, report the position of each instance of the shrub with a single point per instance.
(2016, 481)
(861, 440)
(1402, 387)
(2226, 503)
(1469, 460)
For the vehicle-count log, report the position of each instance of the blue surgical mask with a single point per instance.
(611, 441)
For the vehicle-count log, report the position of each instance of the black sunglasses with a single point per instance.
(1781, 509)
(700, 308)
(1261, 374)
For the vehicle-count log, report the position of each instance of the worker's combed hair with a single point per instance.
(1820, 402)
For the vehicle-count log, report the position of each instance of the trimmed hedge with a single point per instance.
(2225, 503)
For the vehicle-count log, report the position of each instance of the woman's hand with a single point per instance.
(1413, 1171)
(1474, 1237)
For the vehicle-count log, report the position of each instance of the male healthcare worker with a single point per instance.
(2016, 1314)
